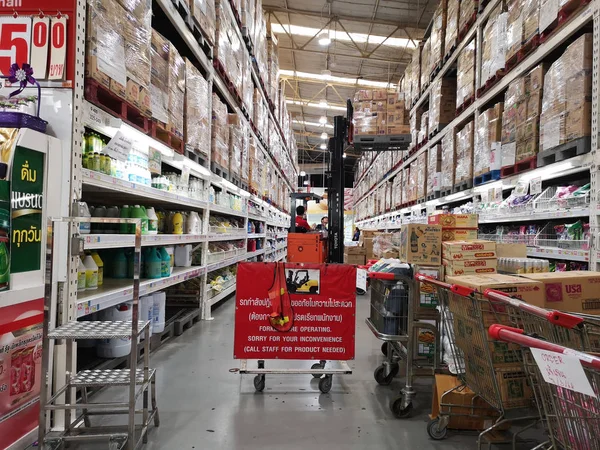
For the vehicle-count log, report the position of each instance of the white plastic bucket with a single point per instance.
(147, 311)
(115, 348)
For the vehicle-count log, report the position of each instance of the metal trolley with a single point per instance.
(494, 372)
(396, 318)
(572, 418)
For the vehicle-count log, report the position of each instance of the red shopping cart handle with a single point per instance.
(382, 275)
(517, 336)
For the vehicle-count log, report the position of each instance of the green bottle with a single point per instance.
(153, 263)
(139, 212)
(119, 264)
(125, 214)
(165, 266)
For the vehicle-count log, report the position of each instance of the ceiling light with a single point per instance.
(306, 183)
(284, 73)
(323, 120)
(315, 105)
(311, 124)
(324, 39)
(323, 103)
(323, 146)
(324, 135)
(340, 35)
(302, 173)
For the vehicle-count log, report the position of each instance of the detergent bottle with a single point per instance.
(81, 276)
(84, 211)
(165, 265)
(152, 221)
(99, 212)
(91, 273)
(119, 264)
(125, 214)
(153, 263)
(161, 221)
(139, 212)
(177, 223)
(100, 266)
(113, 213)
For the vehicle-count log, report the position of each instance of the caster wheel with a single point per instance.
(259, 383)
(325, 384)
(399, 409)
(384, 348)
(360, 291)
(434, 431)
(316, 366)
(380, 375)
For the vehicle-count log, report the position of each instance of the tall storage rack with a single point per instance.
(69, 111)
(368, 184)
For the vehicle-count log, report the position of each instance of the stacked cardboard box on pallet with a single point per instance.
(379, 111)
(354, 255)
(566, 104)
(493, 45)
(421, 244)
(486, 153)
(438, 35)
(219, 152)
(434, 168)
(273, 64)
(421, 162)
(451, 34)
(229, 49)
(236, 143)
(415, 73)
(424, 131)
(469, 257)
(425, 63)
(442, 107)
(464, 154)
(465, 75)
(456, 227)
(245, 158)
(467, 9)
(203, 12)
(197, 111)
(448, 156)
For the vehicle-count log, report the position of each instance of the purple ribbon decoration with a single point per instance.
(22, 76)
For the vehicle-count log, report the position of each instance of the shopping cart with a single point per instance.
(396, 319)
(573, 418)
(492, 370)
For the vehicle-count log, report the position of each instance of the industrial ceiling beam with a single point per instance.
(369, 58)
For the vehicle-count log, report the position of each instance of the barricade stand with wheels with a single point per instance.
(287, 311)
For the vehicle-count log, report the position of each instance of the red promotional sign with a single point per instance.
(20, 369)
(323, 298)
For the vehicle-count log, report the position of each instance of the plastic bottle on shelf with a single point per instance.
(112, 212)
(177, 221)
(165, 266)
(99, 212)
(91, 273)
(147, 311)
(139, 212)
(100, 265)
(125, 214)
(161, 221)
(183, 255)
(158, 314)
(192, 225)
(171, 252)
(81, 276)
(153, 263)
(84, 211)
(152, 221)
(119, 264)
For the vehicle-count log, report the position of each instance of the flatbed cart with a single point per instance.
(394, 319)
(572, 417)
(494, 373)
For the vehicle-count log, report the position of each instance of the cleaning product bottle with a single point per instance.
(139, 212)
(100, 265)
(171, 251)
(81, 276)
(119, 264)
(125, 214)
(161, 221)
(112, 212)
(165, 265)
(191, 226)
(153, 263)
(99, 212)
(91, 273)
(177, 223)
(84, 211)
(152, 221)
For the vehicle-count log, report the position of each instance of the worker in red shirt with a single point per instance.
(302, 225)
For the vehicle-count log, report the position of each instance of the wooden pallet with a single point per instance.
(462, 186)
(478, 180)
(196, 156)
(465, 29)
(519, 167)
(445, 191)
(245, 186)
(219, 170)
(158, 339)
(159, 132)
(236, 13)
(235, 179)
(449, 53)
(220, 68)
(432, 196)
(561, 152)
(439, 127)
(186, 320)
(108, 101)
(436, 70)
(529, 46)
(201, 36)
(421, 200)
(248, 40)
(465, 105)
(491, 82)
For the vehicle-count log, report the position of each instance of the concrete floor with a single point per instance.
(204, 406)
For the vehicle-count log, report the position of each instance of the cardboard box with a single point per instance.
(354, 259)
(470, 266)
(421, 244)
(579, 122)
(534, 104)
(428, 298)
(528, 290)
(511, 250)
(459, 234)
(459, 250)
(515, 390)
(575, 291)
(469, 411)
(454, 220)
(536, 77)
(357, 250)
(398, 129)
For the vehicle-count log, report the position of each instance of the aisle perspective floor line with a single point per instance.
(204, 406)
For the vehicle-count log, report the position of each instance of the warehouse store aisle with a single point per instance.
(204, 406)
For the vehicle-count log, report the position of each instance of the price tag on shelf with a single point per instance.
(535, 186)
(92, 115)
(58, 48)
(154, 160)
(521, 187)
(119, 147)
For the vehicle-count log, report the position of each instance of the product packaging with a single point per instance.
(197, 111)
(465, 76)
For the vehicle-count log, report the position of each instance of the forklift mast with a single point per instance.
(335, 192)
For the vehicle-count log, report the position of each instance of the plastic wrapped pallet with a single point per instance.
(531, 20)
(451, 32)
(566, 103)
(197, 111)
(424, 130)
(247, 138)
(442, 107)
(176, 92)
(448, 152)
(273, 62)
(248, 18)
(486, 154)
(159, 87)
(412, 175)
(464, 154)
(415, 72)
(438, 34)
(247, 85)
(514, 28)
(397, 191)
(236, 143)
(203, 13)
(515, 112)
(405, 85)
(415, 126)
(220, 133)
(105, 45)
(229, 48)
(493, 51)
(467, 12)
(434, 168)
(421, 175)
(465, 76)
(425, 63)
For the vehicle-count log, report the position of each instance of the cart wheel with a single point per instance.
(399, 409)
(384, 348)
(325, 384)
(380, 375)
(259, 383)
(434, 431)
(316, 366)
(360, 291)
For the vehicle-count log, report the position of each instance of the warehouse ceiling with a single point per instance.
(370, 44)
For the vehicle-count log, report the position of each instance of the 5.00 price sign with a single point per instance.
(39, 41)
